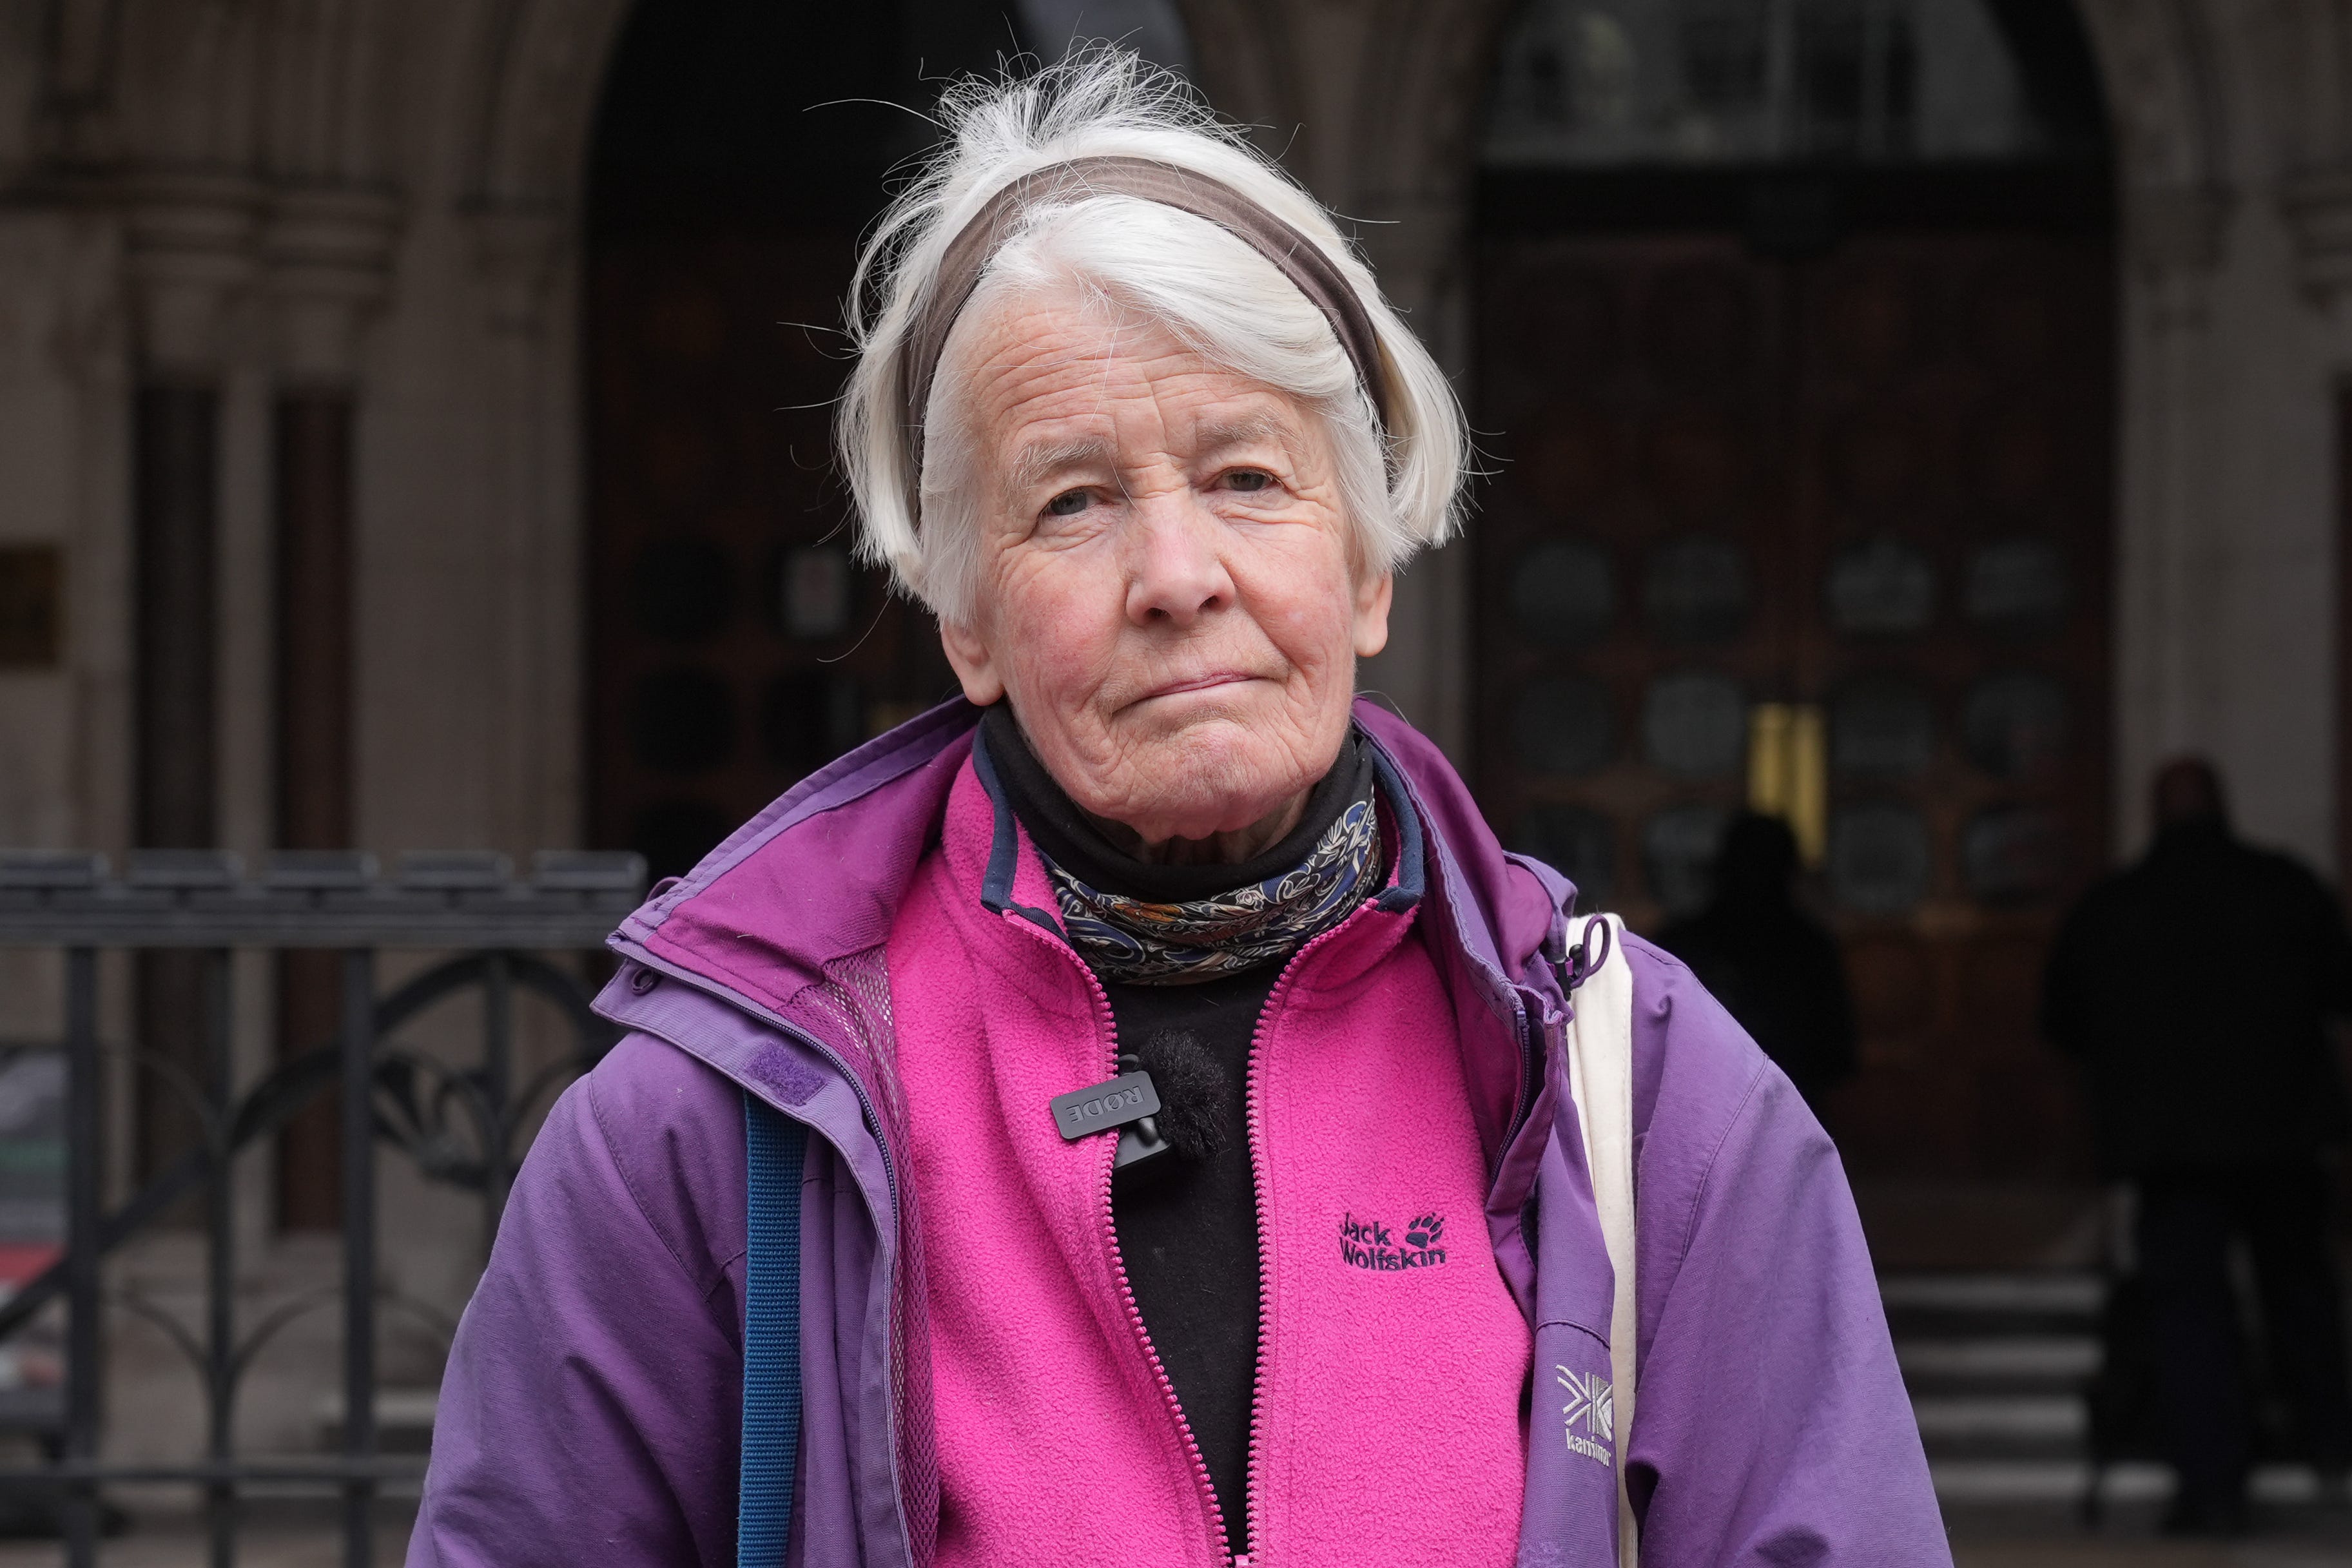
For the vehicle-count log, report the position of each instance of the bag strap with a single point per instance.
(775, 1150)
(1600, 1080)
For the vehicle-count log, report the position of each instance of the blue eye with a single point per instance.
(1068, 504)
(1248, 480)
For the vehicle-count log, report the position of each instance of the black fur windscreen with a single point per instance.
(1193, 1090)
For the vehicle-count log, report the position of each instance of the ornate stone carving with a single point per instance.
(190, 259)
(328, 250)
(520, 251)
(2305, 49)
(2318, 208)
(2162, 68)
(542, 63)
(2177, 228)
(1422, 99)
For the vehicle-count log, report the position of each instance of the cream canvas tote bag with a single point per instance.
(1600, 1080)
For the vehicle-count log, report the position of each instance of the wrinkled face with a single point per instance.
(1167, 592)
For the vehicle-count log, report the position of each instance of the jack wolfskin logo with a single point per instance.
(1591, 1405)
(1369, 1244)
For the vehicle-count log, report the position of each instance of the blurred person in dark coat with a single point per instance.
(2195, 988)
(1771, 964)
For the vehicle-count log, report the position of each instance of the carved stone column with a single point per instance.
(1416, 247)
(527, 261)
(187, 259)
(2306, 55)
(2174, 237)
(2318, 208)
(327, 254)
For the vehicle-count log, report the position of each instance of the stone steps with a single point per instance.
(1996, 1483)
(2023, 1364)
(1997, 1367)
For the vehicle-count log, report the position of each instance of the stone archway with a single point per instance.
(542, 64)
(1402, 81)
(1703, 448)
(1406, 81)
(1418, 95)
(538, 66)
(538, 63)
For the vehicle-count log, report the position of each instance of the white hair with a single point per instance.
(1184, 273)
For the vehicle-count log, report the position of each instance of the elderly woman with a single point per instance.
(1133, 420)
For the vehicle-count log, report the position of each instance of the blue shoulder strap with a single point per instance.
(775, 1147)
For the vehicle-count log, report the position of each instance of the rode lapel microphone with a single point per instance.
(1128, 1103)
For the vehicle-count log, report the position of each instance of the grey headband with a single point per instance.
(1299, 258)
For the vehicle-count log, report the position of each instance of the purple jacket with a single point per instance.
(591, 1407)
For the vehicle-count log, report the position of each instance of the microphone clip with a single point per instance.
(1129, 1103)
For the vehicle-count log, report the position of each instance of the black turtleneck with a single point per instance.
(1067, 838)
(1187, 1221)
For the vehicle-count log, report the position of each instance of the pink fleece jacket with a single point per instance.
(1392, 1357)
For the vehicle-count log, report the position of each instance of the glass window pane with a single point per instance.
(1563, 726)
(1581, 845)
(1881, 587)
(1697, 590)
(1881, 726)
(1596, 82)
(1564, 591)
(1678, 849)
(2014, 854)
(2015, 725)
(1881, 859)
(2016, 588)
(1695, 725)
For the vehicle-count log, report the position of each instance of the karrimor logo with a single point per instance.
(1369, 1244)
(1593, 1405)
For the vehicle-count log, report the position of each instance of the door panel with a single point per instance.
(1875, 482)
(735, 646)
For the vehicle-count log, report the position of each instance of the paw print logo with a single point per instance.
(1426, 1231)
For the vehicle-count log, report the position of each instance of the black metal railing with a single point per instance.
(463, 1125)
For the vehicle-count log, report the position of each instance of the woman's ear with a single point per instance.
(975, 665)
(1373, 597)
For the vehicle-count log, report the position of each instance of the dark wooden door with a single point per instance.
(735, 646)
(1873, 485)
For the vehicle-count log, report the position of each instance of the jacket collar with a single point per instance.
(1403, 890)
(815, 881)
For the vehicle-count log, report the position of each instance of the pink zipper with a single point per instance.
(1267, 1014)
(1107, 1025)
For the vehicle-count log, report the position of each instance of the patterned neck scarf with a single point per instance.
(1131, 941)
